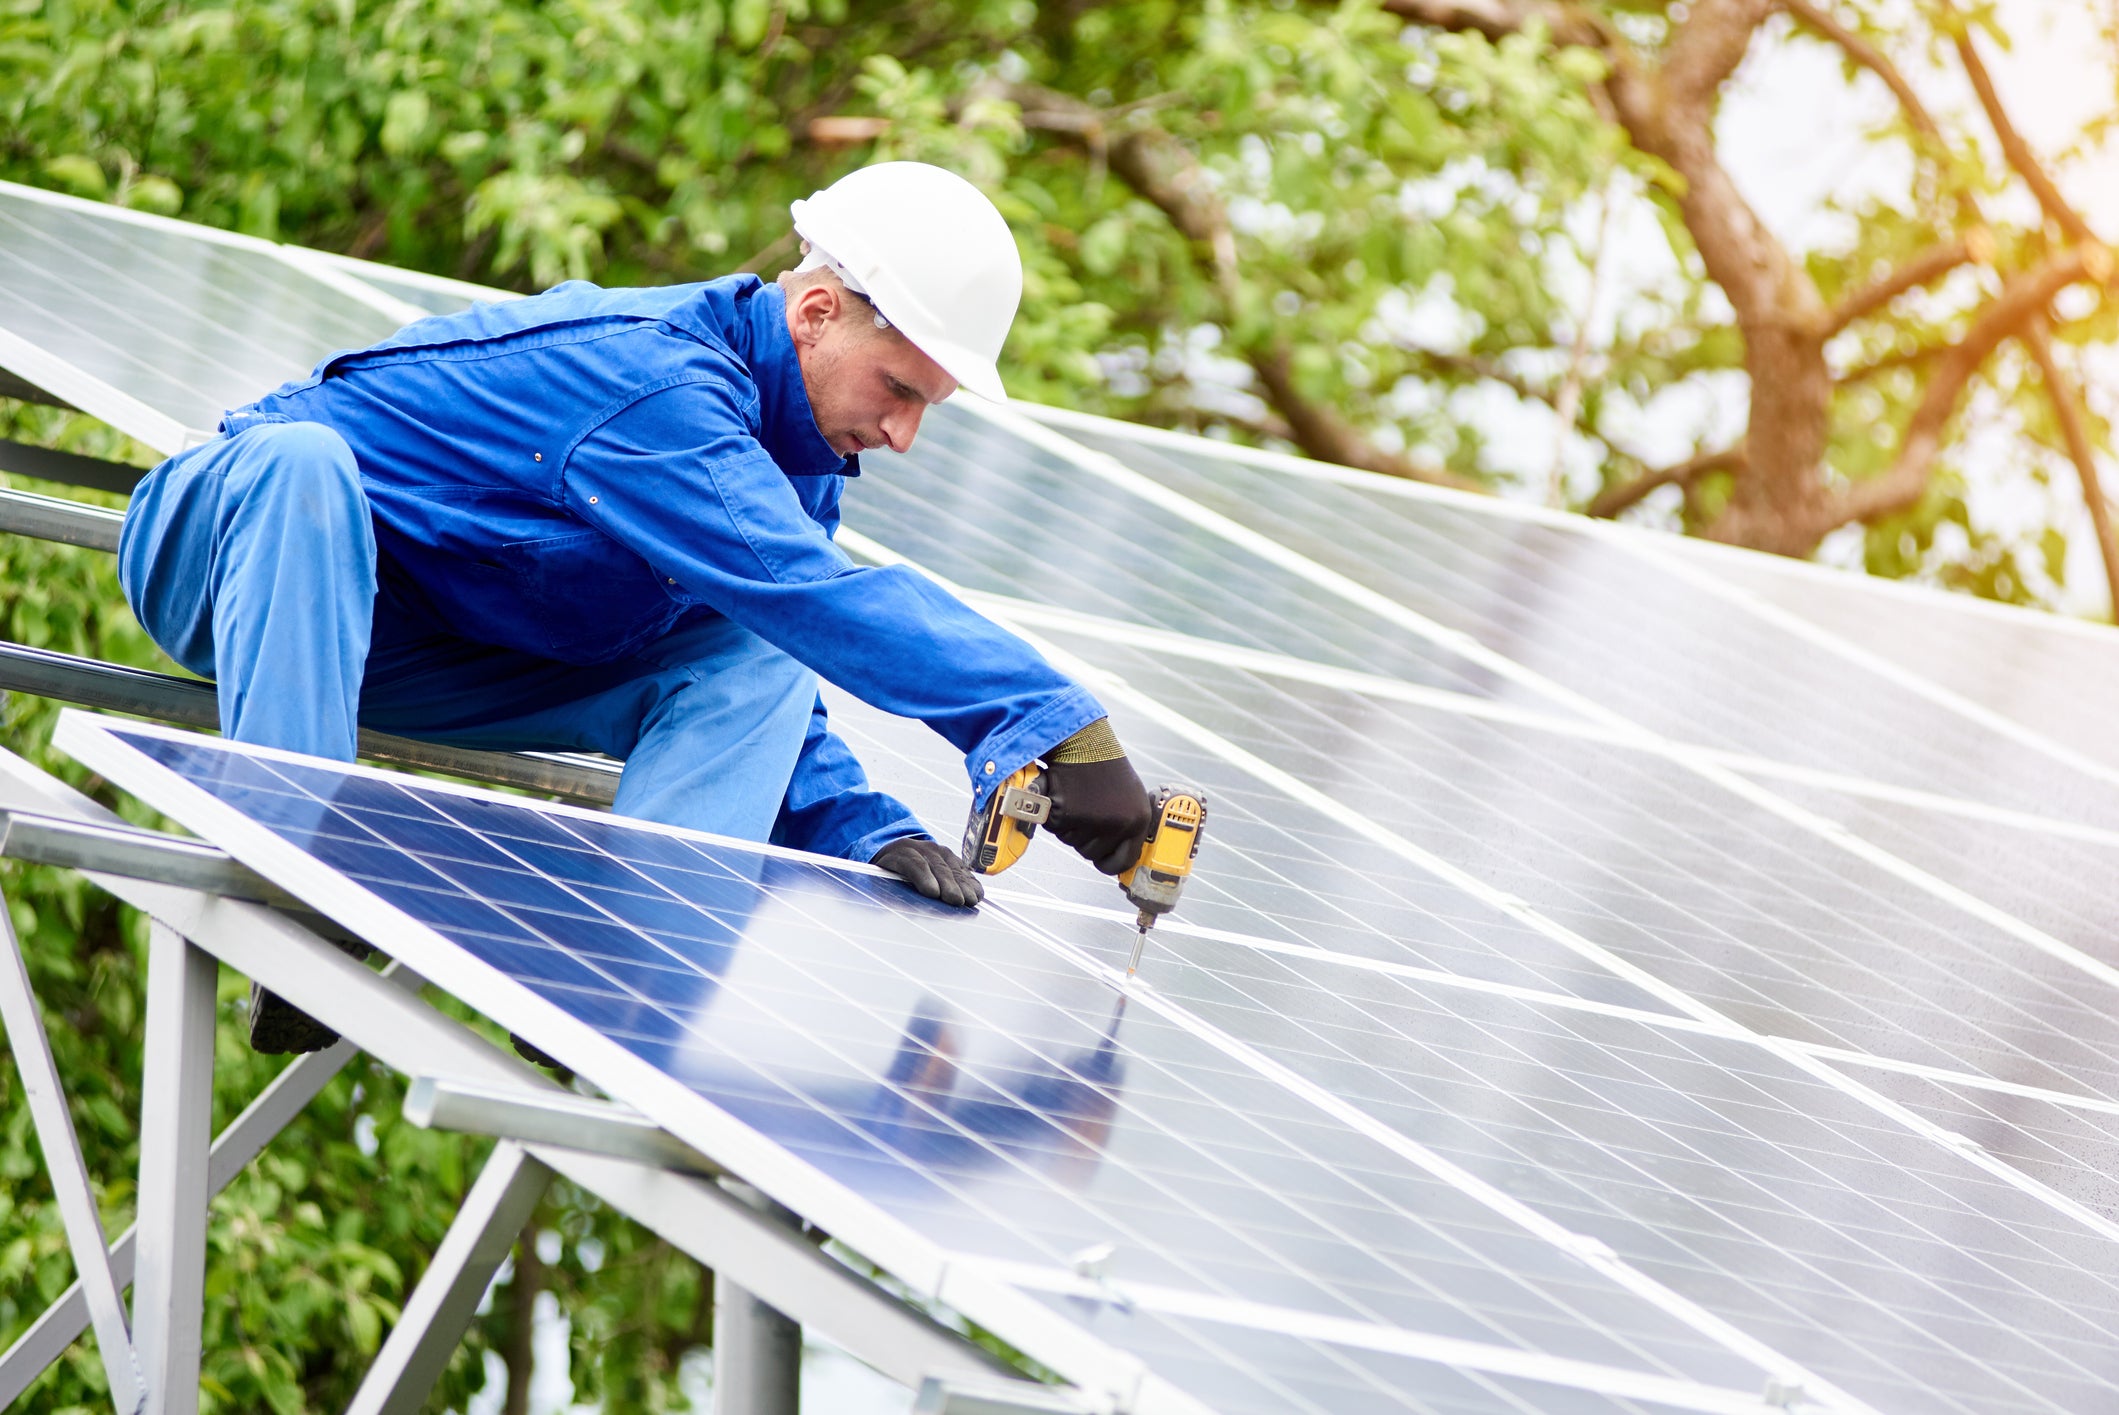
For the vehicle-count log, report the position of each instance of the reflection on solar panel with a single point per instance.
(156, 326)
(2056, 676)
(1622, 631)
(1605, 989)
(964, 1086)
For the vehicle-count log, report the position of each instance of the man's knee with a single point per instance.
(305, 464)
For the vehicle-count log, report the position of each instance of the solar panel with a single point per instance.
(957, 1088)
(1768, 922)
(2071, 1148)
(1598, 620)
(1769, 1195)
(1282, 872)
(2055, 675)
(155, 326)
(992, 512)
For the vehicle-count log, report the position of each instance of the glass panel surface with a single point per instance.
(2064, 885)
(2057, 677)
(992, 512)
(955, 1072)
(1271, 867)
(189, 326)
(1248, 1371)
(1882, 1261)
(2070, 1149)
(1627, 634)
(1767, 922)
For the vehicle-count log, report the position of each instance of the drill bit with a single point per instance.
(1133, 965)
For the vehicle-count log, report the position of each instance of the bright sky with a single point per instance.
(1792, 132)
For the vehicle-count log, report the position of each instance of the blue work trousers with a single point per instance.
(252, 561)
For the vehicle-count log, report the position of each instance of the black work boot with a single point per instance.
(279, 1028)
(537, 1056)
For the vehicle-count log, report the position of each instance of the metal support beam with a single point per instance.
(276, 1105)
(25, 513)
(187, 702)
(550, 1118)
(142, 854)
(697, 1217)
(176, 1132)
(76, 1197)
(441, 1307)
(757, 1348)
(940, 1396)
(66, 468)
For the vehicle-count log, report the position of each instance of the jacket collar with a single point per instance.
(753, 316)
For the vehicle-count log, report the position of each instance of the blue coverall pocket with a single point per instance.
(591, 598)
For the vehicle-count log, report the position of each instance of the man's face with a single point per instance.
(868, 387)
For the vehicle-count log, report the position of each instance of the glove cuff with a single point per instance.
(1094, 743)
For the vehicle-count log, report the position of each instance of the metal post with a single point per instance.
(176, 1130)
(757, 1349)
(76, 1197)
(447, 1297)
(65, 1320)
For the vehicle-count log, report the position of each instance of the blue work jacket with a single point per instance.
(572, 474)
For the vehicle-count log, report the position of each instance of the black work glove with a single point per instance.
(933, 869)
(1099, 806)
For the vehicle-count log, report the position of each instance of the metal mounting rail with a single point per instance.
(25, 513)
(188, 702)
(65, 468)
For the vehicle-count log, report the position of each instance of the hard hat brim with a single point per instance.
(977, 376)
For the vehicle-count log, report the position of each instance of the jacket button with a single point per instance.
(537, 456)
(592, 501)
(669, 579)
(989, 768)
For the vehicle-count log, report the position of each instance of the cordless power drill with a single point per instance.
(997, 836)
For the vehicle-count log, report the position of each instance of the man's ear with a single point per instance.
(811, 309)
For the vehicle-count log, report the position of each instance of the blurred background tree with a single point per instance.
(1391, 233)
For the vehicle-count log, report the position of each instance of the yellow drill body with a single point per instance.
(996, 837)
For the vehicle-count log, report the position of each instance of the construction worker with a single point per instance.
(601, 520)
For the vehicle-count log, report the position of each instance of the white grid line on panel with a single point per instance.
(311, 264)
(1843, 1056)
(923, 1266)
(299, 872)
(1411, 971)
(1503, 508)
(1395, 1341)
(1289, 785)
(95, 397)
(1589, 1250)
(1633, 540)
(1300, 670)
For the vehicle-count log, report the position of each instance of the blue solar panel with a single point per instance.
(992, 1097)
(992, 512)
(1620, 629)
(1772, 924)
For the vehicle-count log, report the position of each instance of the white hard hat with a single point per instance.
(931, 253)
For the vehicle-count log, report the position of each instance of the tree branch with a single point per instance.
(1931, 264)
(1472, 366)
(1901, 486)
(1614, 499)
(2015, 149)
(2067, 408)
(1822, 23)
(1164, 172)
(1321, 432)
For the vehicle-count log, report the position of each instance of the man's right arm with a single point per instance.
(676, 478)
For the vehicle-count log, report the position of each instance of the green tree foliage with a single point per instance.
(1329, 225)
